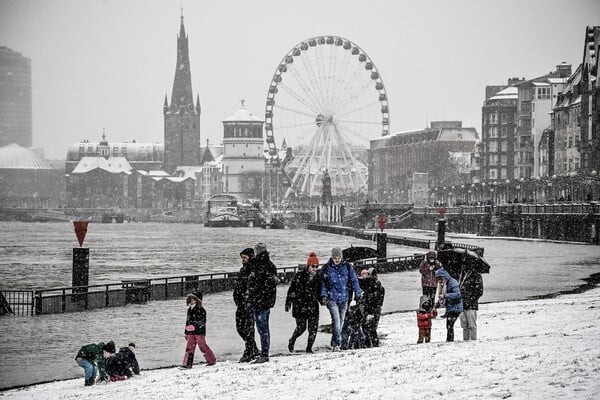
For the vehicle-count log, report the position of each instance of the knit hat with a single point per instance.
(109, 347)
(260, 248)
(312, 259)
(336, 252)
(249, 251)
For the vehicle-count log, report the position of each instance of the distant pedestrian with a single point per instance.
(471, 289)
(335, 277)
(132, 367)
(195, 331)
(262, 294)
(372, 301)
(427, 269)
(303, 298)
(425, 314)
(244, 321)
(91, 358)
(450, 298)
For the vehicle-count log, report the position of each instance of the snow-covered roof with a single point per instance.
(17, 157)
(243, 115)
(115, 165)
(189, 171)
(510, 92)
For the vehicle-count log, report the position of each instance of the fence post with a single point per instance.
(64, 300)
(36, 303)
(106, 297)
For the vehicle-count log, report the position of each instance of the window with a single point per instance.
(493, 147)
(504, 118)
(493, 159)
(493, 130)
(504, 146)
(503, 161)
(493, 173)
(504, 131)
(543, 93)
(493, 118)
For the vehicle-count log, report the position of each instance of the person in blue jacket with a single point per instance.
(335, 276)
(450, 298)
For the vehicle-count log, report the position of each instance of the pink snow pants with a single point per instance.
(200, 340)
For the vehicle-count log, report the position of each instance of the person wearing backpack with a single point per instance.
(336, 274)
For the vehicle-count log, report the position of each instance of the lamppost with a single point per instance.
(507, 196)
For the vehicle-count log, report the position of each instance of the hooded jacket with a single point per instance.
(452, 295)
(335, 279)
(425, 312)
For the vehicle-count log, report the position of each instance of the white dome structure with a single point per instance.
(13, 156)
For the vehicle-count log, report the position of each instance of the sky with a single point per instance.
(106, 65)
(535, 349)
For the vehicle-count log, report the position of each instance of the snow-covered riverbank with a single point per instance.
(535, 349)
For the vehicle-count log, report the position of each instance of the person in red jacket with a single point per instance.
(424, 315)
(195, 331)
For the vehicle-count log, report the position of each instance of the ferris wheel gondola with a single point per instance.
(326, 97)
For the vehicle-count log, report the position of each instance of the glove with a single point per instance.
(287, 308)
(324, 300)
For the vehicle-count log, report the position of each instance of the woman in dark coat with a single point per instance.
(303, 297)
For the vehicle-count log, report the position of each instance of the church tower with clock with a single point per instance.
(182, 117)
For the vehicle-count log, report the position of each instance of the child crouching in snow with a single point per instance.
(195, 331)
(424, 315)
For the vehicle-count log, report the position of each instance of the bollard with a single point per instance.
(381, 245)
(81, 267)
(81, 262)
(441, 238)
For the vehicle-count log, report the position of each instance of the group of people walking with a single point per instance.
(354, 303)
(334, 286)
(459, 297)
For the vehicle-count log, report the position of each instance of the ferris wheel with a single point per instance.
(326, 98)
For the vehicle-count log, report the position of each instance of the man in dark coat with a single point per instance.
(471, 289)
(262, 292)
(373, 295)
(244, 322)
(303, 297)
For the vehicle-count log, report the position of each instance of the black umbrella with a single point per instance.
(457, 260)
(353, 254)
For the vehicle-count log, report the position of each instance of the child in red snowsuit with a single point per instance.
(195, 331)
(424, 315)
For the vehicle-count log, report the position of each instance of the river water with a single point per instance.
(42, 348)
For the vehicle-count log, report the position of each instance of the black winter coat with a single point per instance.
(471, 289)
(262, 283)
(240, 290)
(196, 316)
(304, 294)
(373, 295)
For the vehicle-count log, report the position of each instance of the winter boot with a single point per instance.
(291, 345)
(190, 361)
(309, 343)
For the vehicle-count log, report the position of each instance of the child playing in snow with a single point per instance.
(424, 315)
(355, 316)
(195, 331)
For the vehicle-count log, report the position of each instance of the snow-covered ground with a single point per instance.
(535, 349)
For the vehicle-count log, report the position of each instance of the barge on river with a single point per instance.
(224, 211)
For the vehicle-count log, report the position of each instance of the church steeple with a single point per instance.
(182, 116)
(182, 95)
